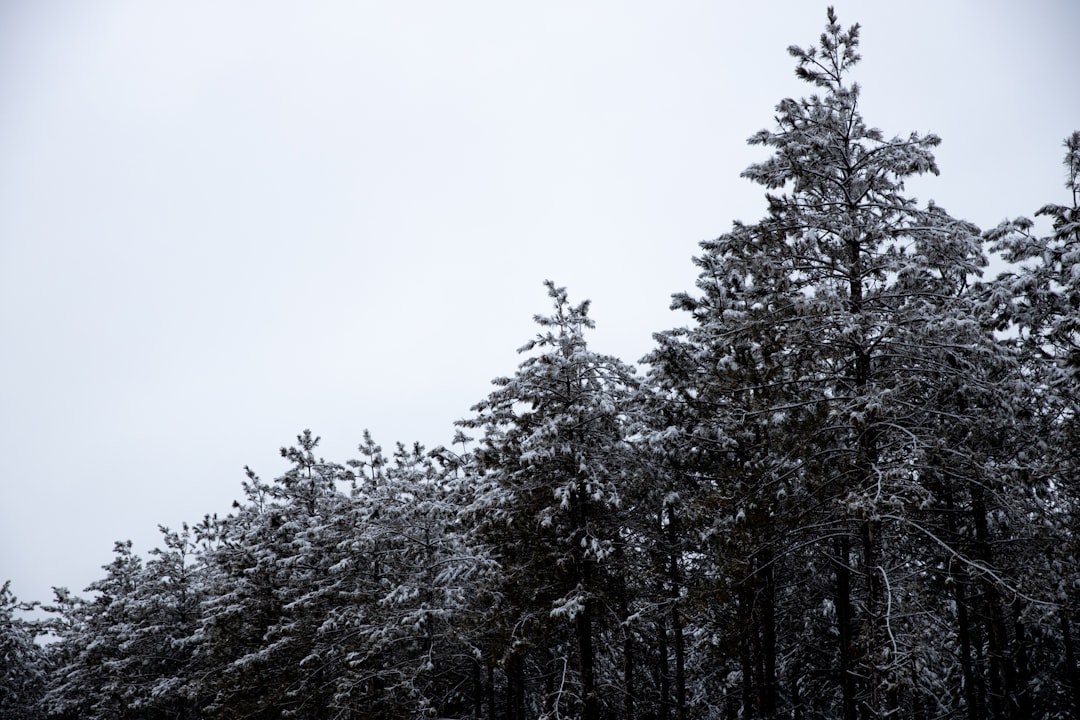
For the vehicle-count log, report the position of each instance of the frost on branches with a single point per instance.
(848, 488)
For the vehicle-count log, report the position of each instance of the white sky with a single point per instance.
(223, 222)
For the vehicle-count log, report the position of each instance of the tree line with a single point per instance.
(846, 488)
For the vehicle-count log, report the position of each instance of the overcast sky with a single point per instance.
(224, 222)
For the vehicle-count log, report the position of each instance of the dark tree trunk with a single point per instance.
(918, 712)
(1072, 673)
(768, 635)
(881, 700)
(550, 698)
(1022, 707)
(628, 638)
(477, 688)
(757, 647)
(584, 625)
(585, 573)
(796, 698)
(844, 628)
(972, 698)
(746, 652)
(662, 671)
(490, 688)
(998, 640)
(515, 687)
(677, 637)
(1000, 666)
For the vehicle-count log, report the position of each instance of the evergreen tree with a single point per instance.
(835, 346)
(261, 619)
(849, 489)
(553, 469)
(413, 656)
(88, 680)
(155, 658)
(22, 660)
(1037, 305)
(328, 604)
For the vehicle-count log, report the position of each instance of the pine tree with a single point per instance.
(552, 459)
(155, 660)
(835, 346)
(268, 600)
(22, 661)
(87, 680)
(1037, 304)
(414, 657)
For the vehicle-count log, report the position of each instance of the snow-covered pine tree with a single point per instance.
(161, 650)
(668, 511)
(1039, 298)
(22, 661)
(87, 680)
(264, 608)
(553, 465)
(129, 652)
(145, 625)
(829, 343)
(1036, 303)
(410, 655)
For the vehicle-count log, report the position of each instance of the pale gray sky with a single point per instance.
(223, 222)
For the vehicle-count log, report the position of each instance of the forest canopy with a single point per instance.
(846, 487)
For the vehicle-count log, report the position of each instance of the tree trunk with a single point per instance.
(583, 621)
(918, 712)
(878, 700)
(628, 636)
(972, 698)
(757, 616)
(1001, 671)
(664, 676)
(1072, 673)
(997, 637)
(583, 624)
(551, 699)
(796, 698)
(677, 637)
(490, 687)
(746, 651)
(477, 688)
(844, 627)
(515, 687)
(1022, 708)
(768, 635)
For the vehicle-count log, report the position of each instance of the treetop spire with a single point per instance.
(826, 64)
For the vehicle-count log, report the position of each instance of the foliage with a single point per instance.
(847, 488)
(22, 660)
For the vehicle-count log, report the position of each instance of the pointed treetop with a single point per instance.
(1072, 166)
(568, 320)
(826, 64)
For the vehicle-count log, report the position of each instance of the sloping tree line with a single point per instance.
(847, 488)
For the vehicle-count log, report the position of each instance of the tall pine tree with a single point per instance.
(835, 344)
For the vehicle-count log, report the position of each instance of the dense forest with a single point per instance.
(846, 488)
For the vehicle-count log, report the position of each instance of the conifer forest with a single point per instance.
(846, 487)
